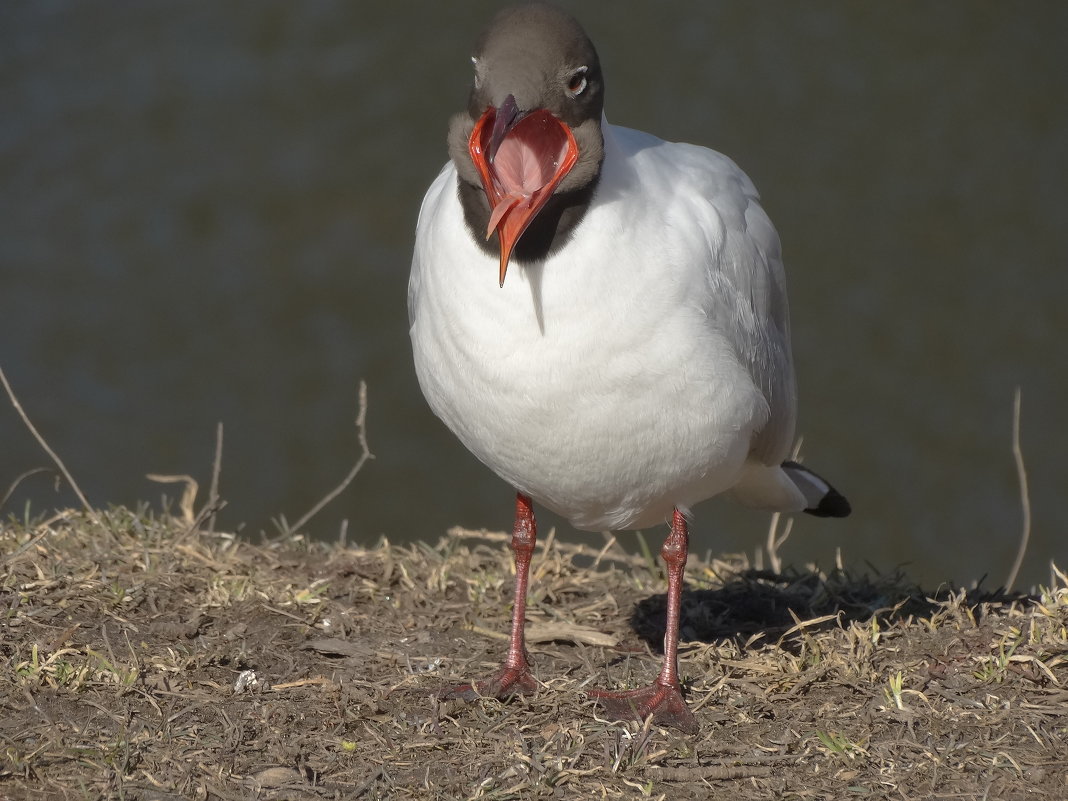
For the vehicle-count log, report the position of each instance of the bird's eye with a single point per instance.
(576, 84)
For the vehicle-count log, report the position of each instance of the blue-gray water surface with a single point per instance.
(208, 210)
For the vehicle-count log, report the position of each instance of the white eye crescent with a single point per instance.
(478, 72)
(576, 82)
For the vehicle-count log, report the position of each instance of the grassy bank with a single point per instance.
(143, 658)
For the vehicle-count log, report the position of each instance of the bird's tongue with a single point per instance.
(530, 160)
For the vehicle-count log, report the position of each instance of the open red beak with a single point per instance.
(521, 160)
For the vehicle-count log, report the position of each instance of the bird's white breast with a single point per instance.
(599, 381)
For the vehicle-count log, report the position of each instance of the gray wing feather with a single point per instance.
(748, 287)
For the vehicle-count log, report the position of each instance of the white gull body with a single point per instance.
(644, 365)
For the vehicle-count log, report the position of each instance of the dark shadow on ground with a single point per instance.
(755, 607)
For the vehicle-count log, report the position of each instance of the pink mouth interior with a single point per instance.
(530, 162)
(527, 161)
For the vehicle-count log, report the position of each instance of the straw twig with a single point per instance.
(52, 454)
(1025, 496)
(774, 540)
(18, 480)
(216, 469)
(365, 455)
(189, 493)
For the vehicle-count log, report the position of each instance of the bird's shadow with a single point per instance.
(756, 607)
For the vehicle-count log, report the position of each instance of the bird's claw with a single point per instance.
(662, 701)
(508, 681)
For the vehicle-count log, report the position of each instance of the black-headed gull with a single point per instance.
(601, 317)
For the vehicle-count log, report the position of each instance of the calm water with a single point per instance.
(208, 209)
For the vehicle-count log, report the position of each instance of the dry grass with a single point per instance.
(124, 637)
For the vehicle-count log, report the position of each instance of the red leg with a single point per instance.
(514, 675)
(663, 698)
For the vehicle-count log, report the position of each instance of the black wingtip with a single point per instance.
(833, 504)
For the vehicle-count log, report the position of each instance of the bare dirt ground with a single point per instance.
(143, 658)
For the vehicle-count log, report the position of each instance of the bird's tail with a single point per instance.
(789, 487)
(821, 499)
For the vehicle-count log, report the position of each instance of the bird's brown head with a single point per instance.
(532, 129)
